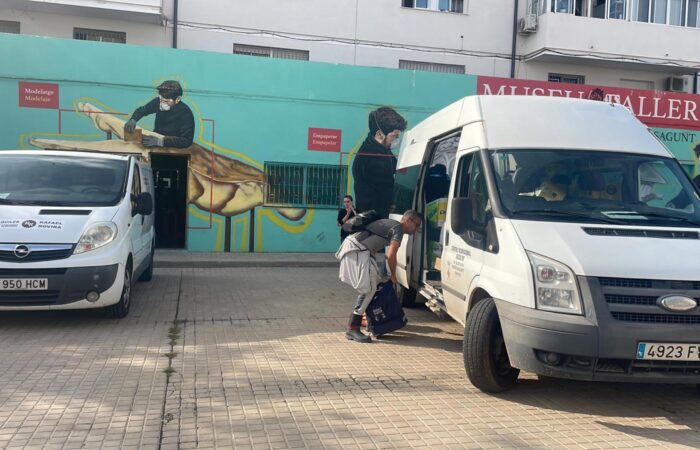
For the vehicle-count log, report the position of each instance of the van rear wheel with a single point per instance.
(121, 308)
(407, 296)
(485, 356)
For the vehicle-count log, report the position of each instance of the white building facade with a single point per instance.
(644, 44)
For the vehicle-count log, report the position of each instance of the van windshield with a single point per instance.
(595, 187)
(47, 180)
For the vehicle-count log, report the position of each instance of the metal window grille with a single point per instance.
(8, 26)
(564, 78)
(431, 67)
(85, 34)
(271, 52)
(305, 185)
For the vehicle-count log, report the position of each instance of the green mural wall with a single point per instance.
(247, 111)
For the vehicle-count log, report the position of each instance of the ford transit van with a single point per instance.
(561, 233)
(76, 229)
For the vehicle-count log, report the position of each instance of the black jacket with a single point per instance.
(177, 125)
(373, 172)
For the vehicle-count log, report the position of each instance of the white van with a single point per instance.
(75, 230)
(561, 233)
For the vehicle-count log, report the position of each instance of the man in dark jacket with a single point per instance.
(374, 165)
(174, 119)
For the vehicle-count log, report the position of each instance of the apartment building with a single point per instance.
(645, 44)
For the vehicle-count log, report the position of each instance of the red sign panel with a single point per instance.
(324, 139)
(38, 95)
(654, 108)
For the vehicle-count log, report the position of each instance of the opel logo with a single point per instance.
(678, 303)
(22, 251)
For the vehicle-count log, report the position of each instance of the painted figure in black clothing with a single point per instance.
(345, 213)
(374, 165)
(174, 119)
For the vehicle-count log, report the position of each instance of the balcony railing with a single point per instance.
(683, 13)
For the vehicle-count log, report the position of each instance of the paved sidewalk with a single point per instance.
(255, 358)
(186, 259)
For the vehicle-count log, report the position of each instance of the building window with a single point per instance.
(8, 26)
(431, 67)
(270, 52)
(305, 185)
(456, 6)
(84, 34)
(564, 78)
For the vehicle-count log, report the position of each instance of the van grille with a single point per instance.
(656, 318)
(670, 367)
(28, 298)
(37, 252)
(630, 299)
(636, 300)
(624, 282)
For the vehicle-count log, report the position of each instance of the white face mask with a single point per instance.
(395, 144)
(164, 106)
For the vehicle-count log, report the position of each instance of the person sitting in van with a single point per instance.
(358, 266)
(374, 165)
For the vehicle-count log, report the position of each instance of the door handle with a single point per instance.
(447, 238)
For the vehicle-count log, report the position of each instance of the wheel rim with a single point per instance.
(126, 295)
(499, 354)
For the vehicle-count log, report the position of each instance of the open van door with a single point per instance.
(406, 181)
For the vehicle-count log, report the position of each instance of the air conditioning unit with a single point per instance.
(675, 84)
(527, 24)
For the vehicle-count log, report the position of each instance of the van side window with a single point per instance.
(462, 187)
(135, 184)
(471, 184)
(405, 183)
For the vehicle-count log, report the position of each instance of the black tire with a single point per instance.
(121, 308)
(147, 274)
(407, 297)
(485, 356)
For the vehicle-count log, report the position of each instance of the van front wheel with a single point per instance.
(485, 356)
(121, 308)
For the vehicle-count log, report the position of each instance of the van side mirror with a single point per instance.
(461, 218)
(143, 204)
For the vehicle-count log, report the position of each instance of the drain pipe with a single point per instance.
(175, 2)
(515, 34)
(695, 82)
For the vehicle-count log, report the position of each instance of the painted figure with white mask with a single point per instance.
(374, 165)
(174, 119)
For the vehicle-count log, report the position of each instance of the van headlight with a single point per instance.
(96, 236)
(556, 288)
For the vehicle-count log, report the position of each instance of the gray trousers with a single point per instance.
(363, 300)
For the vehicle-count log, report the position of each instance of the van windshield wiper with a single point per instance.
(572, 214)
(663, 216)
(4, 201)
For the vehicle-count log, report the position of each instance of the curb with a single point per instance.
(241, 264)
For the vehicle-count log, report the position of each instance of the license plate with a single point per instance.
(24, 284)
(668, 352)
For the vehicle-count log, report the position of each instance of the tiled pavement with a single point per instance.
(255, 358)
